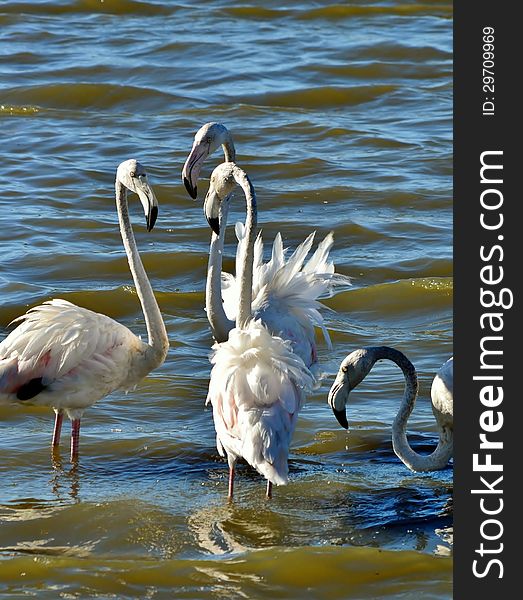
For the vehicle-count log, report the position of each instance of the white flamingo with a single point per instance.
(258, 383)
(358, 364)
(285, 292)
(67, 357)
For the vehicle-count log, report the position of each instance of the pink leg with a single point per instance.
(75, 439)
(57, 428)
(269, 490)
(231, 482)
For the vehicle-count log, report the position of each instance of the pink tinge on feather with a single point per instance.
(45, 359)
(226, 410)
(14, 376)
(232, 412)
(9, 379)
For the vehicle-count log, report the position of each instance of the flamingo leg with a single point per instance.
(59, 417)
(231, 483)
(269, 490)
(75, 439)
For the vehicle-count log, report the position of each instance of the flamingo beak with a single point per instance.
(191, 168)
(211, 208)
(192, 191)
(151, 218)
(148, 200)
(338, 395)
(341, 416)
(214, 224)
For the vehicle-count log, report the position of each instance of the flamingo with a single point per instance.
(358, 364)
(285, 293)
(258, 381)
(67, 357)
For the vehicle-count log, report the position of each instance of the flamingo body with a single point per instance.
(442, 394)
(257, 388)
(68, 357)
(258, 381)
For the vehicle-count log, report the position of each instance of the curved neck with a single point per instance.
(156, 331)
(229, 151)
(220, 323)
(416, 462)
(247, 258)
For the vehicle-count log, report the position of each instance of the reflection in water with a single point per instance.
(64, 481)
(45, 547)
(209, 526)
(447, 535)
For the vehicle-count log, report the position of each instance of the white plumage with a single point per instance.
(258, 380)
(281, 296)
(442, 394)
(285, 292)
(78, 355)
(257, 388)
(67, 357)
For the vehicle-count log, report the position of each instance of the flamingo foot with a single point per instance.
(57, 428)
(75, 439)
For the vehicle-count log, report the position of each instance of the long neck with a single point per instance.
(416, 462)
(229, 151)
(246, 261)
(156, 331)
(220, 323)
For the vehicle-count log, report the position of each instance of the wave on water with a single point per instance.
(325, 96)
(337, 11)
(404, 296)
(90, 95)
(114, 7)
(361, 572)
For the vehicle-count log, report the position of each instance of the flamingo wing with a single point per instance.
(61, 352)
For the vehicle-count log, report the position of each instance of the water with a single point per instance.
(341, 114)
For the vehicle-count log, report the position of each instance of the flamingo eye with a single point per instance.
(132, 174)
(345, 368)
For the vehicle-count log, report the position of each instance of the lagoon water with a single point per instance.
(342, 116)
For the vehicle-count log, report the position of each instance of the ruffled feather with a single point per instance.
(286, 293)
(258, 385)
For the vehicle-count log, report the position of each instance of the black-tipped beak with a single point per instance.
(192, 191)
(192, 166)
(214, 224)
(151, 217)
(341, 416)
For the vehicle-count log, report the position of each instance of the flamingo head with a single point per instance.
(223, 182)
(131, 174)
(353, 369)
(207, 139)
